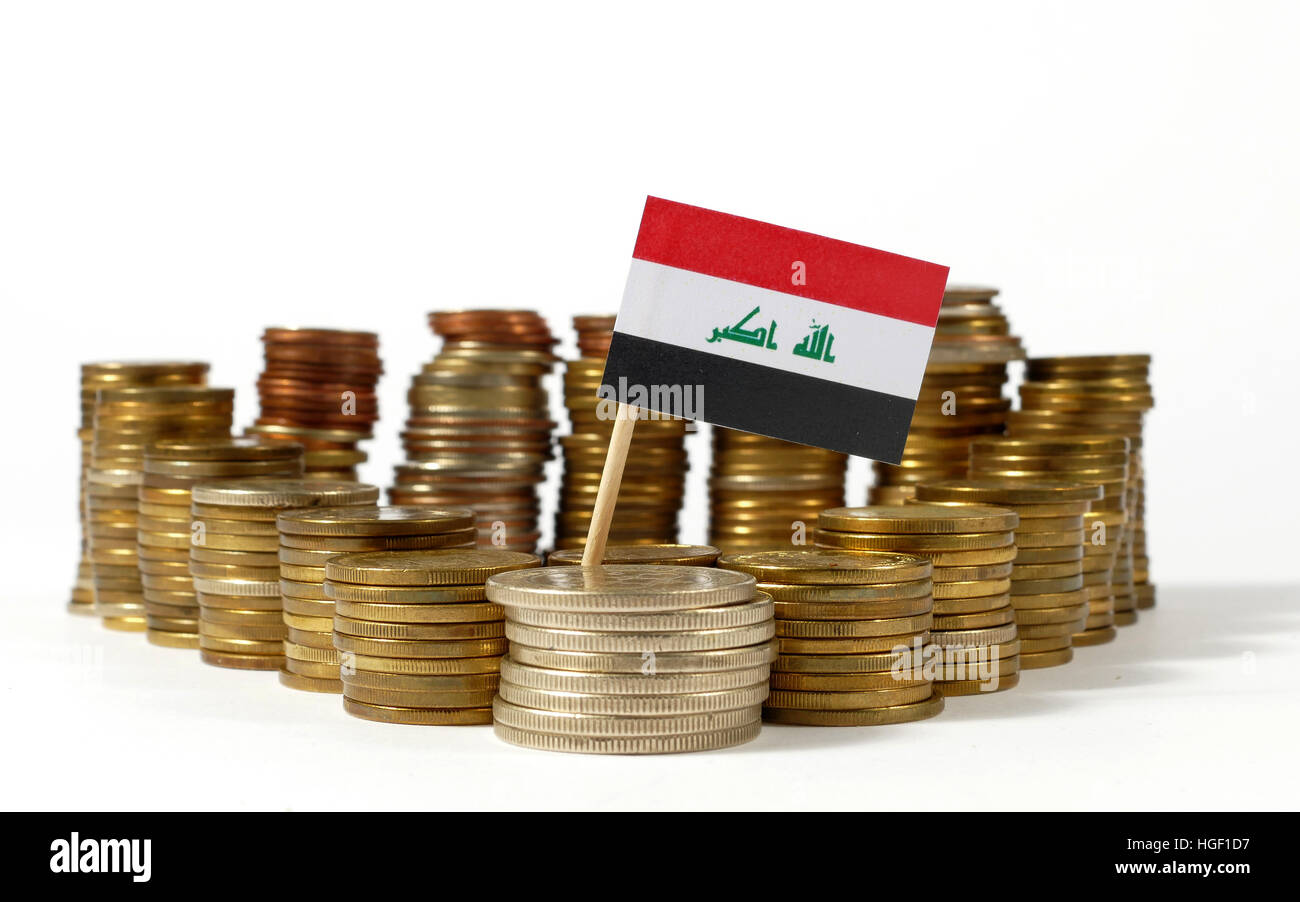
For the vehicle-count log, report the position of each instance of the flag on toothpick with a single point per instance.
(772, 330)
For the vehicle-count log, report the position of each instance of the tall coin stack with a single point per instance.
(420, 643)
(128, 420)
(479, 431)
(318, 389)
(235, 560)
(847, 624)
(1044, 577)
(171, 469)
(1097, 460)
(1097, 395)
(971, 550)
(681, 555)
(960, 396)
(654, 477)
(112, 374)
(319, 533)
(765, 493)
(630, 659)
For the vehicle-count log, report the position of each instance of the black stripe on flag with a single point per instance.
(753, 398)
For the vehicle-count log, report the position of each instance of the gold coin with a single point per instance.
(944, 607)
(979, 573)
(419, 613)
(463, 682)
(1049, 539)
(859, 718)
(971, 638)
(344, 544)
(1008, 492)
(851, 629)
(979, 620)
(411, 648)
(979, 687)
(917, 518)
(846, 700)
(909, 543)
(422, 716)
(1046, 586)
(374, 521)
(683, 555)
(277, 493)
(241, 661)
(1053, 658)
(820, 566)
(426, 568)
(373, 630)
(309, 683)
(877, 644)
(842, 682)
(1094, 636)
(417, 698)
(978, 588)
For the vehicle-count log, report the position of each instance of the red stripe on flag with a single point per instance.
(763, 255)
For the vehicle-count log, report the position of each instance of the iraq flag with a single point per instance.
(774, 331)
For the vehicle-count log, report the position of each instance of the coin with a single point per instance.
(917, 518)
(420, 716)
(629, 745)
(350, 522)
(902, 713)
(686, 555)
(425, 568)
(620, 588)
(646, 662)
(828, 567)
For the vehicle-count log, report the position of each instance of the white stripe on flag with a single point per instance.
(680, 307)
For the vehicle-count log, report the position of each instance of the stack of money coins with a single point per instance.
(1042, 576)
(171, 469)
(95, 376)
(654, 477)
(765, 493)
(310, 536)
(852, 629)
(128, 420)
(629, 659)
(972, 550)
(1097, 396)
(235, 560)
(479, 431)
(318, 390)
(682, 555)
(1095, 459)
(418, 640)
(960, 395)
(595, 332)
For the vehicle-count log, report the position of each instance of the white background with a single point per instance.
(175, 176)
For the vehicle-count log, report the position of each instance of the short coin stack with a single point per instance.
(852, 628)
(654, 478)
(627, 659)
(960, 396)
(171, 469)
(95, 376)
(765, 493)
(318, 389)
(420, 643)
(236, 564)
(127, 421)
(1097, 395)
(1050, 587)
(479, 430)
(1097, 460)
(972, 550)
(682, 555)
(309, 537)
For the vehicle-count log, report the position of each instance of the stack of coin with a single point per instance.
(235, 560)
(128, 420)
(960, 396)
(310, 536)
(318, 390)
(1097, 460)
(1098, 396)
(1051, 585)
(479, 431)
(765, 493)
(681, 555)
(629, 659)
(852, 628)
(972, 550)
(171, 469)
(419, 643)
(95, 376)
(594, 334)
(654, 477)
